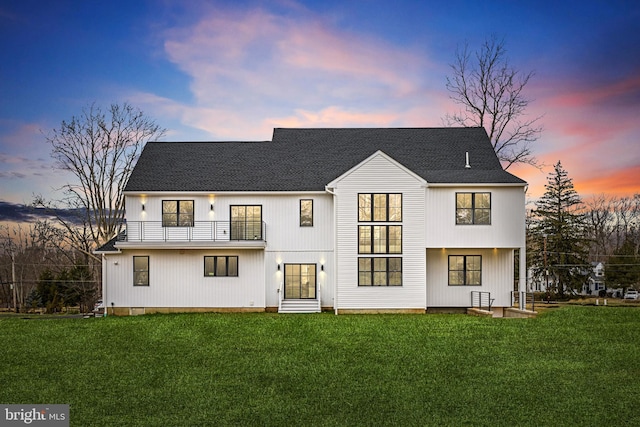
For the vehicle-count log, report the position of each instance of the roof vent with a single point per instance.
(467, 165)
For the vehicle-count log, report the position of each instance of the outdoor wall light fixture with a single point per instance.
(278, 266)
(143, 206)
(321, 267)
(211, 207)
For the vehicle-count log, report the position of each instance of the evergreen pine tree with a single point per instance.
(557, 219)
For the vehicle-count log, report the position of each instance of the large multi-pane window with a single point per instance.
(141, 271)
(221, 266)
(306, 213)
(473, 208)
(380, 239)
(465, 270)
(379, 271)
(177, 213)
(246, 222)
(300, 281)
(379, 207)
(385, 237)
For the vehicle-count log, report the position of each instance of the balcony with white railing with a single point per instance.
(198, 233)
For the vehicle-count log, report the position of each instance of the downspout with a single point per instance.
(522, 280)
(105, 263)
(335, 249)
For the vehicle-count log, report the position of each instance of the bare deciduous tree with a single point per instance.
(99, 149)
(598, 217)
(491, 94)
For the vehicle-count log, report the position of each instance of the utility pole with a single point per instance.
(13, 272)
(546, 268)
(13, 281)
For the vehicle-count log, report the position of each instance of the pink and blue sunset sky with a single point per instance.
(234, 70)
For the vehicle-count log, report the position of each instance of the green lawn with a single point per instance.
(570, 366)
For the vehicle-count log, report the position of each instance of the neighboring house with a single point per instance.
(539, 282)
(595, 281)
(353, 220)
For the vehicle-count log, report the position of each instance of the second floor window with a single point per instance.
(246, 222)
(473, 208)
(306, 213)
(380, 239)
(177, 213)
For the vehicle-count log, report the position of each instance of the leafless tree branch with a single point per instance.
(99, 149)
(490, 92)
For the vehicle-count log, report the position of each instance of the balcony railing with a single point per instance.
(200, 231)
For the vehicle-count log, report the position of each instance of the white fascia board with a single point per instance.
(476, 184)
(379, 153)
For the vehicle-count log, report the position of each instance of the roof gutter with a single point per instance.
(478, 184)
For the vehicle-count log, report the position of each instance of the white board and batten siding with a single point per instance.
(286, 242)
(497, 277)
(290, 243)
(380, 174)
(280, 212)
(495, 243)
(275, 277)
(176, 279)
(507, 229)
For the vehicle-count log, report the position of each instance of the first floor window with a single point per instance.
(177, 213)
(141, 271)
(221, 266)
(379, 271)
(300, 281)
(473, 208)
(465, 270)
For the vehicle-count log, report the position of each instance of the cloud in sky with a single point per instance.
(594, 131)
(23, 160)
(253, 70)
(19, 213)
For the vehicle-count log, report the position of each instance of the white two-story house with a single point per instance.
(350, 220)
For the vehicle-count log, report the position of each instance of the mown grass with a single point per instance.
(570, 366)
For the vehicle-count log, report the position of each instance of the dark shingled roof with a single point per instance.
(110, 246)
(308, 159)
